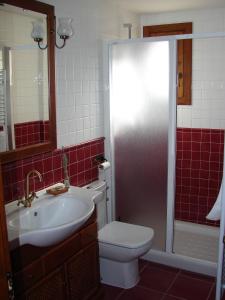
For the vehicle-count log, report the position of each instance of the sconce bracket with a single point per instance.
(64, 38)
(39, 41)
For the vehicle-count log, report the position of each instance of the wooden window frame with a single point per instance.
(184, 56)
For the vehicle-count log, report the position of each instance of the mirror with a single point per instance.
(27, 86)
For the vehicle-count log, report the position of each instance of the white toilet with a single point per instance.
(120, 245)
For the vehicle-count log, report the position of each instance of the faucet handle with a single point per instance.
(27, 202)
(34, 195)
(21, 201)
(31, 197)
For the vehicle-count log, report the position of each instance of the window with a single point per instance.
(184, 59)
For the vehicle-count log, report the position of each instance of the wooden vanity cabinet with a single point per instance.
(69, 270)
(51, 287)
(83, 275)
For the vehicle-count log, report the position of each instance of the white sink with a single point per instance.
(51, 219)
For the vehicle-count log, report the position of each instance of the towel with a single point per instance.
(215, 212)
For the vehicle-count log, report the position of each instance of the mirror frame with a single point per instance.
(31, 150)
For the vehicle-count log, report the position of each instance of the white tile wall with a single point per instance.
(208, 83)
(79, 82)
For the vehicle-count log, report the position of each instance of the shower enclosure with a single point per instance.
(199, 161)
(161, 154)
(140, 126)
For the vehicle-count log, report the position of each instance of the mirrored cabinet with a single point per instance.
(27, 80)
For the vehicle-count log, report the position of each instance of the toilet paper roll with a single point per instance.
(104, 166)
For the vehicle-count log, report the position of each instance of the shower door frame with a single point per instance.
(172, 129)
(171, 132)
(168, 255)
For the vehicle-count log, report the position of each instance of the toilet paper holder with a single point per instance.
(101, 162)
(99, 159)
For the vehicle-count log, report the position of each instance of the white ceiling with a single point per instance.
(154, 6)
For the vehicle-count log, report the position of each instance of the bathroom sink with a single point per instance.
(51, 219)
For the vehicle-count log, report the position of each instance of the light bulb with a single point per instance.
(38, 31)
(65, 28)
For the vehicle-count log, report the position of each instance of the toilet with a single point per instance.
(120, 245)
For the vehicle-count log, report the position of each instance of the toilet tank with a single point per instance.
(101, 204)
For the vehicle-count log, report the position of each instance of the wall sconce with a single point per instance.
(64, 31)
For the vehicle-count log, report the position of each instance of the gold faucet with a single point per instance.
(29, 197)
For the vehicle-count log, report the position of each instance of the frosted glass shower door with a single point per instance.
(139, 104)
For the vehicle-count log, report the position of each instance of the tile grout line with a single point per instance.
(163, 297)
(148, 288)
(175, 297)
(210, 291)
(144, 267)
(163, 293)
(175, 278)
(120, 294)
(180, 273)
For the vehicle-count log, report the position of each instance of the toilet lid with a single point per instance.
(125, 235)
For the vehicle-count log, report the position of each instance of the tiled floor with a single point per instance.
(160, 282)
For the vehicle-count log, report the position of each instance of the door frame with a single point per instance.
(221, 256)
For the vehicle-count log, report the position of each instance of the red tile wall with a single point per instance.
(199, 167)
(81, 168)
(30, 133)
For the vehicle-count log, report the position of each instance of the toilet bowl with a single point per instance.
(120, 245)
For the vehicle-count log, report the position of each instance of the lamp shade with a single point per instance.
(38, 31)
(65, 28)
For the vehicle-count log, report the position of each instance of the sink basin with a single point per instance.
(51, 219)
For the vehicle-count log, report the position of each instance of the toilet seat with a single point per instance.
(125, 235)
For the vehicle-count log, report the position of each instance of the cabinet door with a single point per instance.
(51, 288)
(83, 273)
(28, 277)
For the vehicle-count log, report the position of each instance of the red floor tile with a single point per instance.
(190, 288)
(163, 267)
(139, 293)
(198, 276)
(111, 292)
(169, 297)
(160, 282)
(142, 264)
(212, 295)
(157, 277)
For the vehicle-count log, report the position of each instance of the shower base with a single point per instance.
(196, 240)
